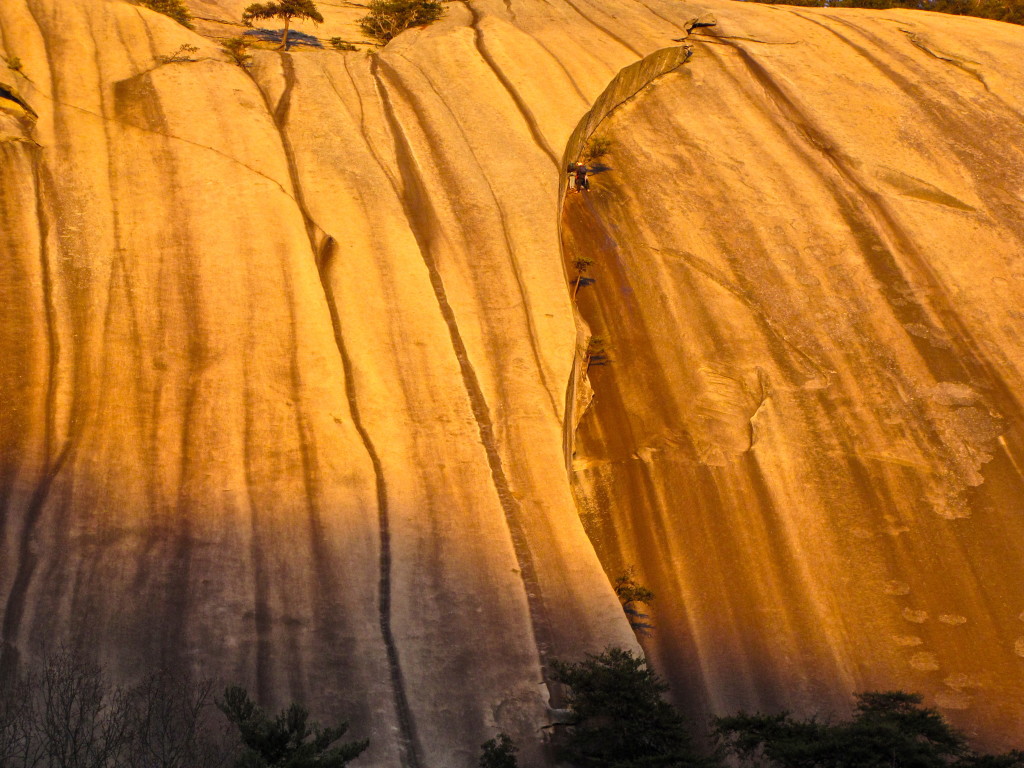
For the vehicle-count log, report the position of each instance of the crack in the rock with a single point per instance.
(524, 110)
(705, 269)
(8, 93)
(712, 38)
(508, 240)
(917, 42)
(585, 128)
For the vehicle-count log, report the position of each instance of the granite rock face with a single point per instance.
(807, 277)
(289, 365)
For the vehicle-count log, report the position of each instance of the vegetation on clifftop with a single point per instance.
(174, 8)
(387, 18)
(999, 10)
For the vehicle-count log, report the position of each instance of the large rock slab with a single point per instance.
(809, 439)
(288, 357)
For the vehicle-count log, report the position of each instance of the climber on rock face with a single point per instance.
(578, 180)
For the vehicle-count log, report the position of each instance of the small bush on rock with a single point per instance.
(597, 147)
(183, 53)
(174, 8)
(238, 49)
(387, 18)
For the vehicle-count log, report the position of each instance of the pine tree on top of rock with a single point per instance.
(285, 10)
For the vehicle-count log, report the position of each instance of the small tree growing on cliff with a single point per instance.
(597, 351)
(581, 264)
(286, 10)
(632, 594)
(182, 54)
(238, 49)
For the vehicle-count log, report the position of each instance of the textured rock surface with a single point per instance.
(808, 440)
(285, 359)
(285, 354)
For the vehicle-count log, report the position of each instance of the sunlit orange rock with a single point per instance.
(290, 371)
(808, 273)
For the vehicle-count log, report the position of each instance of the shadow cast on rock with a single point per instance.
(277, 35)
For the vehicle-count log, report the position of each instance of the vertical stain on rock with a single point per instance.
(416, 200)
(409, 752)
(408, 746)
(55, 449)
(528, 118)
